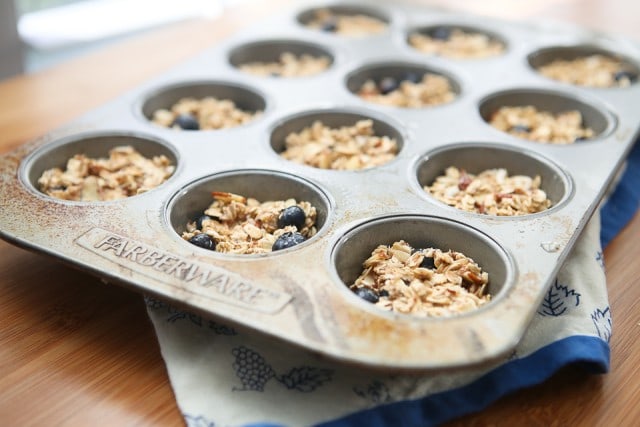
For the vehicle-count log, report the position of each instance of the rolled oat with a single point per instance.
(430, 90)
(457, 44)
(425, 282)
(541, 126)
(491, 192)
(208, 113)
(593, 71)
(288, 65)
(125, 173)
(240, 225)
(350, 25)
(344, 148)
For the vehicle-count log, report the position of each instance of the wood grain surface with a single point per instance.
(76, 352)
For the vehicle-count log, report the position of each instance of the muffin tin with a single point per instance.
(300, 294)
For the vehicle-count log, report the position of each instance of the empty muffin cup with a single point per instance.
(248, 211)
(492, 180)
(456, 41)
(96, 167)
(402, 84)
(281, 58)
(422, 265)
(546, 116)
(585, 65)
(203, 106)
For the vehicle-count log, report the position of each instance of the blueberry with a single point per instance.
(580, 138)
(428, 262)
(287, 240)
(384, 293)
(441, 33)
(521, 128)
(329, 26)
(623, 74)
(412, 77)
(387, 84)
(200, 220)
(367, 294)
(203, 240)
(293, 215)
(186, 122)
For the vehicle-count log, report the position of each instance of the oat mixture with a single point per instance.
(541, 126)
(491, 192)
(593, 71)
(457, 44)
(203, 114)
(430, 90)
(288, 65)
(344, 148)
(125, 173)
(424, 282)
(346, 25)
(240, 225)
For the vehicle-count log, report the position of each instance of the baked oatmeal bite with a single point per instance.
(422, 282)
(208, 113)
(123, 174)
(346, 24)
(456, 43)
(288, 65)
(490, 192)
(344, 148)
(412, 90)
(541, 126)
(598, 71)
(242, 225)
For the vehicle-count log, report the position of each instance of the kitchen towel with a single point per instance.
(222, 377)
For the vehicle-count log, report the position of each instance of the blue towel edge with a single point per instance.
(589, 352)
(624, 202)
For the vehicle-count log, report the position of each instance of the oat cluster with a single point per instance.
(356, 25)
(594, 71)
(123, 174)
(431, 90)
(209, 112)
(491, 192)
(288, 65)
(242, 225)
(344, 148)
(424, 282)
(541, 126)
(459, 45)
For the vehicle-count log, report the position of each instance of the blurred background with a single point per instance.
(35, 34)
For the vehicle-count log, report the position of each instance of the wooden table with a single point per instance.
(74, 351)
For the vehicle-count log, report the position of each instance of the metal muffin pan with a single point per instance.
(298, 294)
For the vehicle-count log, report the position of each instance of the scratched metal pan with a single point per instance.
(299, 295)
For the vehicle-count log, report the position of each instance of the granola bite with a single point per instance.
(357, 25)
(344, 148)
(240, 225)
(123, 174)
(541, 126)
(456, 43)
(412, 91)
(203, 114)
(288, 65)
(423, 282)
(593, 71)
(491, 192)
